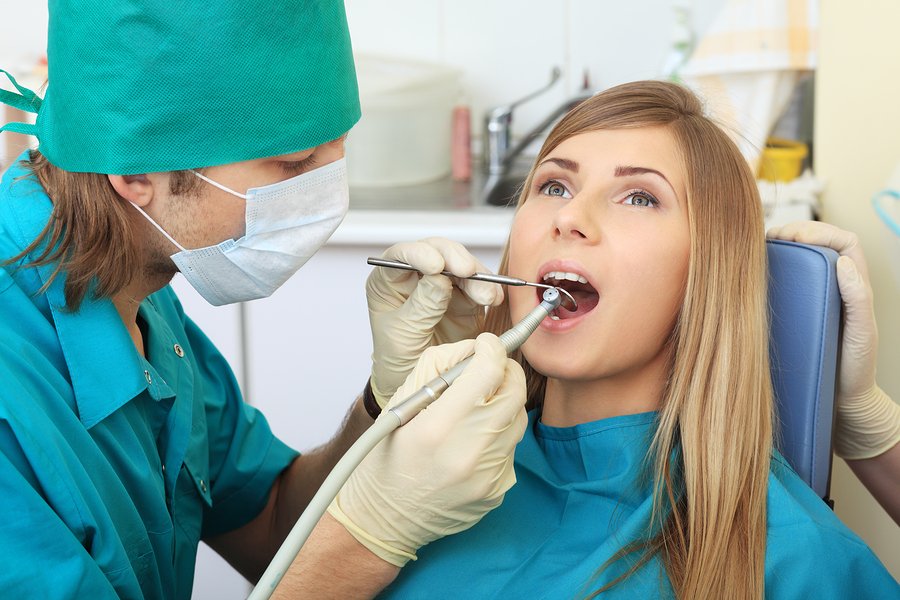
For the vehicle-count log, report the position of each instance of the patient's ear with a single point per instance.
(137, 189)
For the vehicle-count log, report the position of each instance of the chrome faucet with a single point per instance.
(498, 127)
(499, 153)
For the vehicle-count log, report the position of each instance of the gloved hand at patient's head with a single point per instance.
(864, 427)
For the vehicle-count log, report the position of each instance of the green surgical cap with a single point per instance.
(139, 86)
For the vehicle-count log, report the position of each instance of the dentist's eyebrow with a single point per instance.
(565, 163)
(625, 171)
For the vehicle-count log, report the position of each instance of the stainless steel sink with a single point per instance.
(505, 192)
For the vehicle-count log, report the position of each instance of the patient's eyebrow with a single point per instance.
(627, 170)
(565, 163)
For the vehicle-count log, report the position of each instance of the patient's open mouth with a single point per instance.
(584, 293)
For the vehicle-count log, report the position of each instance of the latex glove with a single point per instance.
(868, 421)
(452, 463)
(409, 313)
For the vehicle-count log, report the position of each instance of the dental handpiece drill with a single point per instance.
(511, 340)
(400, 415)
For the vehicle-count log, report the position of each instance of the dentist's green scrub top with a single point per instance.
(112, 467)
(577, 501)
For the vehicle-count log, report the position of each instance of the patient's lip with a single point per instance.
(567, 265)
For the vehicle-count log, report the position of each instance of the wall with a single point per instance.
(507, 48)
(23, 33)
(23, 40)
(857, 148)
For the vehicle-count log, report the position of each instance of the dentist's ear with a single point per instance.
(137, 189)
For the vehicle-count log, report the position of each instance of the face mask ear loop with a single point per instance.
(219, 185)
(161, 230)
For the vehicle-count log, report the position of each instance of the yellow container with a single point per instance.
(781, 159)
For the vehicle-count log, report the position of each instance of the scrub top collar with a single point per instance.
(106, 369)
(104, 365)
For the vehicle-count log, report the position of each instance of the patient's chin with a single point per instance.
(562, 368)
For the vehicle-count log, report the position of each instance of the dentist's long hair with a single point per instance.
(709, 460)
(90, 236)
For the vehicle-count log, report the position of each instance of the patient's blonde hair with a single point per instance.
(711, 451)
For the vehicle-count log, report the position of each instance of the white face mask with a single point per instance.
(287, 222)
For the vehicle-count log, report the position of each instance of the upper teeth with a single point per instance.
(560, 275)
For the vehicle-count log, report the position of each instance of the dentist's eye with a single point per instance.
(296, 167)
(641, 198)
(554, 188)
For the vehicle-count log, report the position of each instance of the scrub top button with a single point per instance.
(203, 486)
(164, 468)
(147, 377)
(179, 351)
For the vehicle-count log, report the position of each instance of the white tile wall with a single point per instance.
(507, 48)
(617, 46)
(23, 32)
(407, 28)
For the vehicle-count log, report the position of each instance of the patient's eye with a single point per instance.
(555, 188)
(640, 198)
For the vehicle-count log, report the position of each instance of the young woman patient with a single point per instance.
(648, 467)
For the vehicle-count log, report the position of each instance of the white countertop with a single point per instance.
(472, 227)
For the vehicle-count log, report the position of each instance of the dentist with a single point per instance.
(208, 138)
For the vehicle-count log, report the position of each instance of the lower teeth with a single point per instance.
(554, 317)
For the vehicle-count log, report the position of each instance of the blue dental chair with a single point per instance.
(805, 317)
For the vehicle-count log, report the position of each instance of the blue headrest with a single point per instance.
(805, 312)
